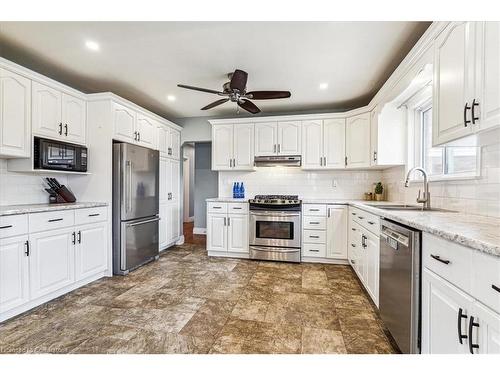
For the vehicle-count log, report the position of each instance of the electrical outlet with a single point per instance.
(334, 183)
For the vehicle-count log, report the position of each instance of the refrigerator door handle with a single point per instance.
(143, 222)
(128, 178)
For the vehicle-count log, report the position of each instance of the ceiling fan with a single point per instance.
(235, 91)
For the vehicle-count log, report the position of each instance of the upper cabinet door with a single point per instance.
(163, 139)
(243, 147)
(488, 69)
(334, 143)
(374, 137)
(74, 119)
(175, 144)
(452, 83)
(146, 130)
(124, 120)
(312, 141)
(289, 138)
(46, 111)
(222, 147)
(15, 115)
(358, 141)
(266, 139)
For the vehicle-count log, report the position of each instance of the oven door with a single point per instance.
(275, 228)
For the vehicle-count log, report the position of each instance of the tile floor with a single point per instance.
(188, 303)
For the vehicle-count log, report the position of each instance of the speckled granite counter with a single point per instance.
(477, 232)
(228, 200)
(32, 208)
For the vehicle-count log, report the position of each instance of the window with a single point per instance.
(453, 160)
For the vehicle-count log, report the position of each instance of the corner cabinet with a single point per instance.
(15, 115)
(58, 115)
(358, 141)
(233, 147)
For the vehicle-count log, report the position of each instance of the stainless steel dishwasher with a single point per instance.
(399, 298)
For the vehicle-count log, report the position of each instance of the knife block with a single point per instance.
(65, 195)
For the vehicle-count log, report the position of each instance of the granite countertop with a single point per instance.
(44, 207)
(228, 200)
(477, 232)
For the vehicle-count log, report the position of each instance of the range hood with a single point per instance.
(278, 161)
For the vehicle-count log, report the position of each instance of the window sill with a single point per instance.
(446, 179)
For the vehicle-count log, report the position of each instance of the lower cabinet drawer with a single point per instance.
(314, 236)
(51, 220)
(214, 207)
(314, 222)
(13, 225)
(314, 250)
(314, 209)
(90, 215)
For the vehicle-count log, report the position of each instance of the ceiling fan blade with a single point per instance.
(258, 95)
(239, 80)
(247, 105)
(215, 104)
(200, 89)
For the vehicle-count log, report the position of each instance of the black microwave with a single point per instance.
(57, 155)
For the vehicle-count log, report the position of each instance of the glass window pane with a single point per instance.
(432, 156)
(461, 159)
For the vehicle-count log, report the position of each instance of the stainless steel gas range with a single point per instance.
(275, 222)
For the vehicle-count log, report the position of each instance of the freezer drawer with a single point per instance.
(139, 242)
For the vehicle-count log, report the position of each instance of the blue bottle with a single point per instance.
(242, 191)
(236, 187)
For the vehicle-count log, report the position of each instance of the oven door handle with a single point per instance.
(267, 249)
(274, 214)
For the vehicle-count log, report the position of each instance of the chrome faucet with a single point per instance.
(426, 199)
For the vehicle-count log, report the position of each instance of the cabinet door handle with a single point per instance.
(60, 128)
(224, 221)
(438, 258)
(374, 155)
(279, 148)
(53, 220)
(353, 229)
(135, 136)
(230, 163)
(466, 107)
(6, 227)
(472, 324)
(79, 236)
(324, 161)
(138, 136)
(353, 245)
(353, 213)
(73, 240)
(27, 248)
(495, 288)
(66, 130)
(461, 316)
(473, 115)
(371, 222)
(353, 261)
(345, 161)
(274, 149)
(361, 217)
(228, 221)
(320, 161)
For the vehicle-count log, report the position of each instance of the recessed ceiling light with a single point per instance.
(171, 98)
(91, 45)
(323, 86)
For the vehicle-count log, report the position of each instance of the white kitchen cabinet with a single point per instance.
(14, 272)
(336, 228)
(289, 138)
(266, 139)
(454, 82)
(358, 141)
(312, 141)
(175, 144)
(74, 118)
(237, 233)
(487, 334)
(233, 147)
(371, 250)
(162, 226)
(124, 123)
(169, 142)
(173, 222)
(334, 143)
(216, 232)
(46, 112)
(388, 136)
(15, 115)
(169, 199)
(91, 255)
(51, 258)
(488, 73)
(58, 115)
(147, 131)
(441, 304)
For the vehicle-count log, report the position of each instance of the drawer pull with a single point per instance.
(353, 229)
(353, 213)
(236, 208)
(472, 324)
(461, 316)
(6, 227)
(353, 245)
(313, 236)
(54, 220)
(314, 250)
(495, 288)
(91, 215)
(361, 217)
(353, 261)
(217, 207)
(314, 209)
(438, 258)
(314, 222)
(371, 222)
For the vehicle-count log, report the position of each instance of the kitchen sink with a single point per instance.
(407, 207)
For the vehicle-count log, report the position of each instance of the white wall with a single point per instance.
(306, 184)
(23, 188)
(479, 196)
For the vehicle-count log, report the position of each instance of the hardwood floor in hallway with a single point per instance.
(187, 302)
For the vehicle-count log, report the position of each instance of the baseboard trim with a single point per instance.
(199, 230)
(324, 260)
(225, 254)
(189, 219)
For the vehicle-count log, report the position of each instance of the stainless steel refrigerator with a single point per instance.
(135, 206)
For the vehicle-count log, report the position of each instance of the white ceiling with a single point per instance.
(144, 61)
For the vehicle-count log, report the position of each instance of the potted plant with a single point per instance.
(379, 192)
